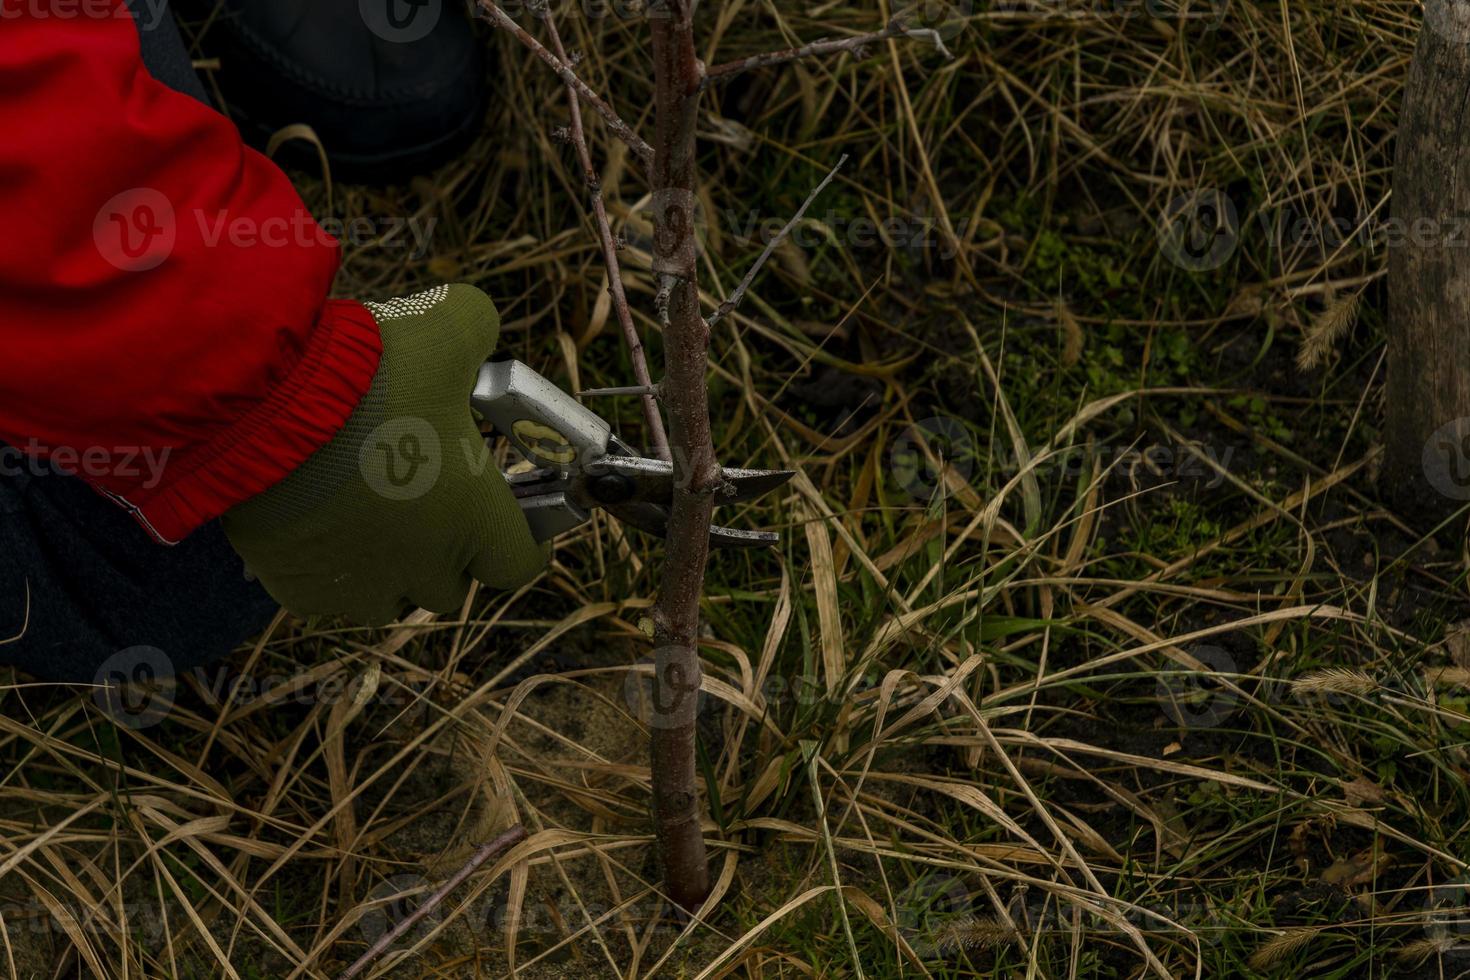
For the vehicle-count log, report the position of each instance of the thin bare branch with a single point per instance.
(650, 391)
(817, 49)
(729, 305)
(502, 20)
(504, 842)
(658, 438)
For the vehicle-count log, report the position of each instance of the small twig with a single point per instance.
(729, 305)
(504, 842)
(645, 391)
(657, 436)
(502, 20)
(826, 46)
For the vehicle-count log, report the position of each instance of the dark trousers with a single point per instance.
(81, 584)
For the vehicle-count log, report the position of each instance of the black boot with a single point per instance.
(393, 88)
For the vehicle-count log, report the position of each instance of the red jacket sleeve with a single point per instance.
(165, 331)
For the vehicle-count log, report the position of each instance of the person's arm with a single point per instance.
(165, 331)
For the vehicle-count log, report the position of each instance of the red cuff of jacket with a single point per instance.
(257, 451)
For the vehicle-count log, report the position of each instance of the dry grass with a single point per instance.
(984, 714)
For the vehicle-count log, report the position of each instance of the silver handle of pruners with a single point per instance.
(550, 428)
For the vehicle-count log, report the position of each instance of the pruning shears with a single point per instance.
(582, 466)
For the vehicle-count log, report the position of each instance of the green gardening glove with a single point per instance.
(405, 505)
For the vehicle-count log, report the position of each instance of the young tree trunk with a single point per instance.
(1427, 469)
(678, 76)
(679, 80)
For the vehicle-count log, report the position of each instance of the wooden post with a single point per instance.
(1427, 467)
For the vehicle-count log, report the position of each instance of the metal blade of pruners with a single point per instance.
(582, 466)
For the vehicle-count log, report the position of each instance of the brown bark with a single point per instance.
(1427, 467)
(678, 75)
